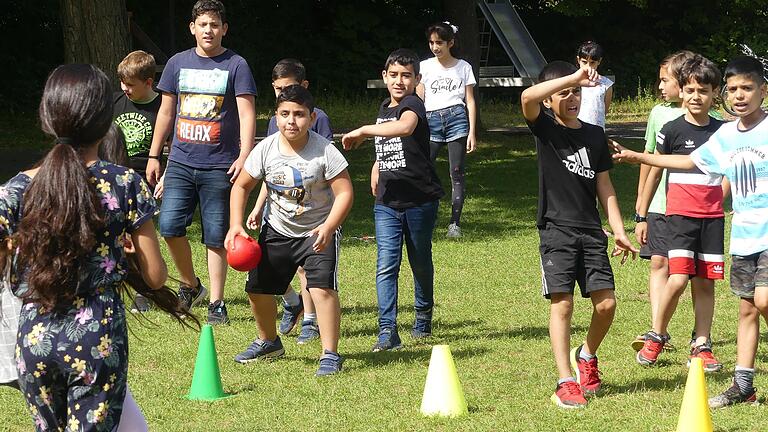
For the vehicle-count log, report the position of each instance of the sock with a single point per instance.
(743, 378)
(585, 355)
(291, 298)
(565, 380)
(311, 317)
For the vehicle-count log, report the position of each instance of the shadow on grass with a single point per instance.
(410, 353)
(529, 332)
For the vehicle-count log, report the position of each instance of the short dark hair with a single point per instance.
(745, 65)
(297, 94)
(403, 57)
(556, 69)
(289, 68)
(202, 7)
(590, 49)
(699, 69)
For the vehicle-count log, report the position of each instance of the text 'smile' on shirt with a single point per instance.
(207, 124)
(407, 176)
(569, 160)
(690, 192)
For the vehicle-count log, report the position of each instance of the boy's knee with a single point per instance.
(605, 307)
(659, 263)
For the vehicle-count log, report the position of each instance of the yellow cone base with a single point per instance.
(206, 380)
(694, 413)
(443, 394)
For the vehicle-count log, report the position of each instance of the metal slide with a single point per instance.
(514, 37)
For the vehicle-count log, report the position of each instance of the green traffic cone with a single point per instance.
(206, 380)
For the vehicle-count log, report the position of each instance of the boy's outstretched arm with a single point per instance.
(404, 126)
(607, 196)
(238, 198)
(341, 185)
(623, 154)
(532, 97)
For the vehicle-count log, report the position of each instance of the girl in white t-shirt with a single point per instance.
(596, 100)
(446, 87)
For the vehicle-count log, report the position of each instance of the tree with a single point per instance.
(463, 13)
(95, 31)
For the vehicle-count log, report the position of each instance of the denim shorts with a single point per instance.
(448, 124)
(184, 188)
(749, 272)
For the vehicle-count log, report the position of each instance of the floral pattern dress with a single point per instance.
(73, 364)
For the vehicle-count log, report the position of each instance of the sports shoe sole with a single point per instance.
(637, 344)
(556, 401)
(199, 297)
(394, 348)
(707, 368)
(265, 357)
(644, 361)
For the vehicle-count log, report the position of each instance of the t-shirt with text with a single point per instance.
(136, 122)
(444, 87)
(207, 126)
(690, 192)
(299, 195)
(322, 125)
(407, 176)
(742, 157)
(569, 160)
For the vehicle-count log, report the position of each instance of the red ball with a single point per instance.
(246, 254)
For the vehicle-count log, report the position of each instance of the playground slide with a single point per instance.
(514, 37)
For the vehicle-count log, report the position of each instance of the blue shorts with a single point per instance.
(448, 124)
(184, 187)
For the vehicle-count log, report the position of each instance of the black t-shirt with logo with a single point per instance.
(407, 176)
(569, 160)
(137, 123)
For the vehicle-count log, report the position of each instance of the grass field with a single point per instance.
(488, 310)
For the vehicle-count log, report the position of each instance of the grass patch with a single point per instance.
(488, 309)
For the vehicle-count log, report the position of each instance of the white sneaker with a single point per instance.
(453, 231)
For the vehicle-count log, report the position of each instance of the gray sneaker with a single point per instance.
(731, 396)
(189, 297)
(291, 315)
(454, 231)
(261, 350)
(217, 313)
(330, 364)
(140, 304)
(309, 332)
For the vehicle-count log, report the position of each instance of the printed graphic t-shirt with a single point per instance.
(690, 192)
(407, 176)
(742, 157)
(207, 126)
(322, 125)
(444, 87)
(136, 122)
(569, 160)
(300, 197)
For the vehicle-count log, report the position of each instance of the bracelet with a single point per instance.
(154, 157)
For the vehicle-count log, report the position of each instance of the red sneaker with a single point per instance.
(569, 395)
(652, 347)
(711, 364)
(587, 373)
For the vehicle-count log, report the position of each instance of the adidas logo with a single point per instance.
(578, 163)
(549, 263)
(717, 268)
(689, 144)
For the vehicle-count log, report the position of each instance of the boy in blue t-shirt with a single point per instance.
(208, 100)
(288, 72)
(407, 195)
(738, 151)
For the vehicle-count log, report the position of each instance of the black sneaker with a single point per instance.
(388, 340)
(189, 297)
(733, 396)
(422, 327)
(217, 313)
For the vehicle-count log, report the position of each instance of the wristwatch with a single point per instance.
(639, 218)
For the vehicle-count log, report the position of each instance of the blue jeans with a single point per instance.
(415, 225)
(184, 187)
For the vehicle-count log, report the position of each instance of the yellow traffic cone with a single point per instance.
(443, 395)
(694, 413)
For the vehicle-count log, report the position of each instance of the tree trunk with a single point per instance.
(95, 31)
(463, 13)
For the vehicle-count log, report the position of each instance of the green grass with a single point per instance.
(489, 310)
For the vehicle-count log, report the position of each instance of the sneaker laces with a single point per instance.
(572, 388)
(704, 353)
(591, 370)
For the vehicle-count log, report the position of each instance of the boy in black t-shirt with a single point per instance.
(573, 160)
(407, 195)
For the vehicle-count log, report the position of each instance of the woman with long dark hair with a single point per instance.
(66, 222)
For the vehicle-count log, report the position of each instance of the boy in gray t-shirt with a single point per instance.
(310, 195)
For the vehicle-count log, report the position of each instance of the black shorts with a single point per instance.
(570, 255)
(657, 237)
(696, 246)
(281, 256)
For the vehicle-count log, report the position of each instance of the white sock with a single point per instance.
(291, 298)
(132, 419)
(311, 317)
(585, 355)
